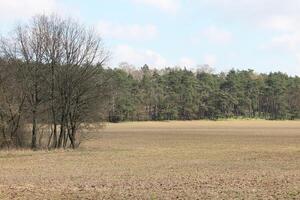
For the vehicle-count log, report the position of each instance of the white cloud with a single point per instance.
(187, 62)
(138, 57)
(15, 9)
(217, 35)
(210, 59)
(289, 41)
(129, 32)
(275, 15)
(282, 23)
(286, 35)
(170, 6)
(279, 18)
(255, 9)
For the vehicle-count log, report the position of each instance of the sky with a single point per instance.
(263, 35)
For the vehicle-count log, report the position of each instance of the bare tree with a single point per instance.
(12, 101)
(59, 63)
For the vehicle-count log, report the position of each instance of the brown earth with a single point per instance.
(163, 160)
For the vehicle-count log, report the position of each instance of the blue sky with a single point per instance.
(259, 34)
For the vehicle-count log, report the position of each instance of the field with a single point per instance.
(163, 160)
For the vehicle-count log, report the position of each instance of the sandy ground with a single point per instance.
(163, 160)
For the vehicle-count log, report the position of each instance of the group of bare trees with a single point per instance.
(50, 74)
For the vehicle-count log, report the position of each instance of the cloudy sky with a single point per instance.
(259, 34)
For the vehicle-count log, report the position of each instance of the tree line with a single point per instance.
(54, 81)
(182, 94)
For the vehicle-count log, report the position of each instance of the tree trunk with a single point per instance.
(34, 131)
(72, 138)
(61, 135)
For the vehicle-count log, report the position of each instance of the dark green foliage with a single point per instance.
(180, 94)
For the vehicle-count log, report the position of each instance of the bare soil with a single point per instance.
(163, 160)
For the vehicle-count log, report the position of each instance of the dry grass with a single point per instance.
(164, 160)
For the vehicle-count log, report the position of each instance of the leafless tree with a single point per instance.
(59, 63)
(12, 101)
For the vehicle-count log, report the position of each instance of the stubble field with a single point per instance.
(163, 160)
